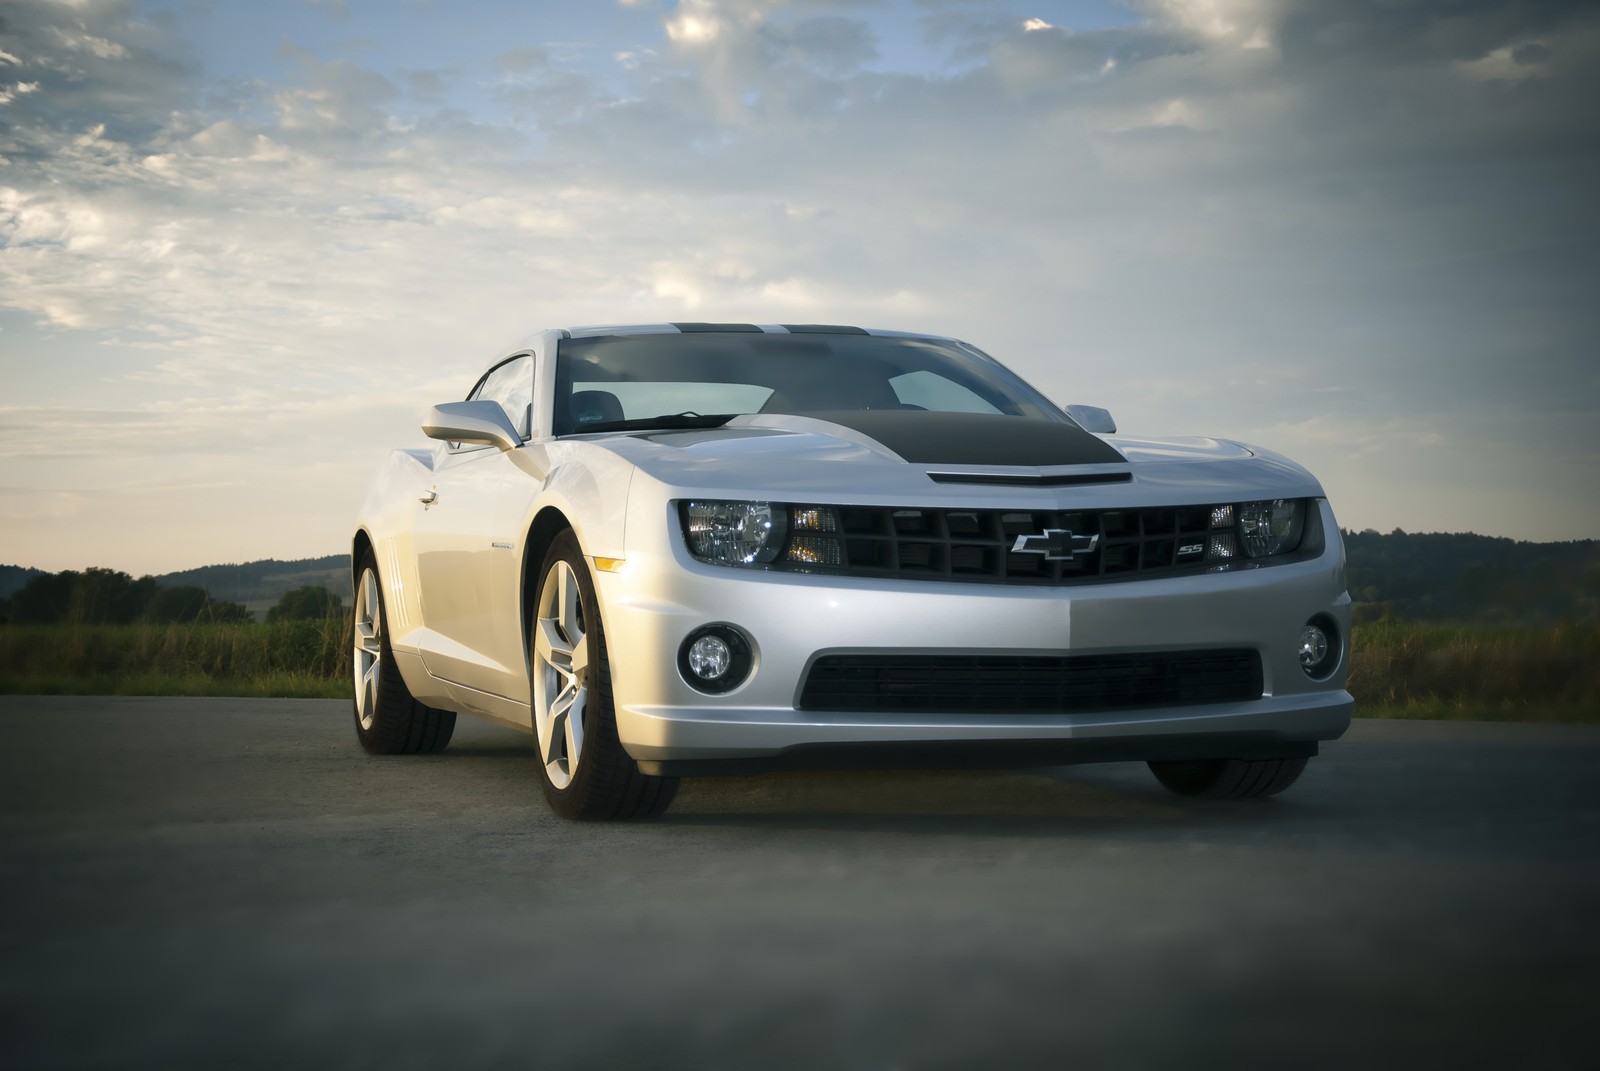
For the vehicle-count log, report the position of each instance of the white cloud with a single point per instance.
(1239, 21)
(695, 22)
(17, 89)
(98, 47)
(1508, 63)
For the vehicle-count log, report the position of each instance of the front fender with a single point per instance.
(587, 484)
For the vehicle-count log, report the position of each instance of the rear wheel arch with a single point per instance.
(389, 720)
(360, 548)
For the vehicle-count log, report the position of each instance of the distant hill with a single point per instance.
(260, 584)
(12, 577)
(1471, 579)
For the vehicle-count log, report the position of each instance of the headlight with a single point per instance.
(1271, 527)
(735, 533)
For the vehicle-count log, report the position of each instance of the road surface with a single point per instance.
(220, 883)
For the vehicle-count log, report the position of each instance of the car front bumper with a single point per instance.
(660, 595)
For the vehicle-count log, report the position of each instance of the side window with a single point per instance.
(511, 384)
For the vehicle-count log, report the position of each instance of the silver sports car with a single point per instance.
(674, 550)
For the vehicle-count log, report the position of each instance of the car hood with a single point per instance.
(893, 455)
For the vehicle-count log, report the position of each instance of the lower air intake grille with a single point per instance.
(1009, 684)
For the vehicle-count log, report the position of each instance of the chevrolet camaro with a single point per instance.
(676, 550)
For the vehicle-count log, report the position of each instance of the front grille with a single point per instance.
(1013, 684)
(982, 545)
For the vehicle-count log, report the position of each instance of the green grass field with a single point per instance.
(1397, 670)
(1403, 670)
(301, 659)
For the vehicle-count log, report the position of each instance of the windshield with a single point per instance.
(620, 382)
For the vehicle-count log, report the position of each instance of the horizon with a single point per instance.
(1344, 532)
(243, 246)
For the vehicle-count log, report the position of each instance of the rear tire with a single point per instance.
(583, 768)
(389, 721)
(1228, 779)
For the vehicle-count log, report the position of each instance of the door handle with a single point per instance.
(429, 498)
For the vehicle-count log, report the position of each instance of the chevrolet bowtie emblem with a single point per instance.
(1056, 544)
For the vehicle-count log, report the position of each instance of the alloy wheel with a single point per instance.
(561, 674)
(368, 648)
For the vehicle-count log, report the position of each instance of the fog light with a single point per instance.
(709, 657)
(715, 659)
(1313, 647)
(1319, 647)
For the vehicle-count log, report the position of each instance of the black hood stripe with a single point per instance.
(927, 438)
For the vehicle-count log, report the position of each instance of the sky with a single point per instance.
(244, 245)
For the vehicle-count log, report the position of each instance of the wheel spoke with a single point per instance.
(547, 729)
(368, 644)
(578, 659)
(550, 647)
(574, 725)
(560, 659)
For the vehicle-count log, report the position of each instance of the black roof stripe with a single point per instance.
(718, 328)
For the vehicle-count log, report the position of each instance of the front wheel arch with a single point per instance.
(600, 781)
(549, 523)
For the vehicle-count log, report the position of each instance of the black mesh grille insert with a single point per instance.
(1040, 684)
(1022, 546)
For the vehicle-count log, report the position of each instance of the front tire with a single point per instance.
(1228, 779)
(583, 768)
(389, 721)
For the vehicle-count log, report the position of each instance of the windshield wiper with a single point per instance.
(664, 421)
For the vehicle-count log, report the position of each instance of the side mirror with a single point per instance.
(482, 421)
(1093, 418)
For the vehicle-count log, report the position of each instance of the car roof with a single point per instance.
(598, 330)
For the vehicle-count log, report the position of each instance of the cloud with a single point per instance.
(1204, 220)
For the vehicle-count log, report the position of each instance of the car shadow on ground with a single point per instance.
(1375, 794)
(1047, 802)
(933, 799)
(1368, 788)
(1062, 800)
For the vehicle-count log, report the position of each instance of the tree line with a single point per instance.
(98, 596)
(1469, 579)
